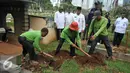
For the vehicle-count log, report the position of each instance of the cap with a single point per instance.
(97, 13)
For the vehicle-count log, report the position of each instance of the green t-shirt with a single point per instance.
(34, 36)
(100, 27)
(67, 34)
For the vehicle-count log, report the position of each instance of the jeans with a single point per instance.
(27, 48)
(106, 43)
(72, 49)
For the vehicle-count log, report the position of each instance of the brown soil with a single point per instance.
(97, 59)
(121, 49)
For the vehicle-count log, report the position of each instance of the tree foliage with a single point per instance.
(46, 5)
(118, 10)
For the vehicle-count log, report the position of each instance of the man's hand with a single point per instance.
(84, 42)
(86, 25)
(82, 31)
(92, 38)
(41, 52)
(74, 45)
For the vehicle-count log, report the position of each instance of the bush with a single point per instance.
(118, 10)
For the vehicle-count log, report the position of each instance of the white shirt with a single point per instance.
(59, 19)
(80, 19)
(68, 19)
(121, 25)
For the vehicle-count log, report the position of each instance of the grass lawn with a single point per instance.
(70, 66)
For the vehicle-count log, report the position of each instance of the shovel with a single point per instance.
(82, 51)
(48, 55)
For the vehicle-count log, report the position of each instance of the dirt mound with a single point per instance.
(96, 59)
(121, 49)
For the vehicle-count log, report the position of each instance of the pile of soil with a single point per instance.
(96, 59)
(121, 49)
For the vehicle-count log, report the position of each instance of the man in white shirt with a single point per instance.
(80, 19)
(59, 20)
(68, 18)
(120, 25)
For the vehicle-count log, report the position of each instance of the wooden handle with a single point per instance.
(47, 54)
(83, 51)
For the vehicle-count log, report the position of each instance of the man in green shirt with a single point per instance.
(30, 40)
(70, 34)
(99, 26)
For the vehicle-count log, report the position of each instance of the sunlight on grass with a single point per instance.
(70, 66)
(112, 67)
(52, 46)
(119, 65)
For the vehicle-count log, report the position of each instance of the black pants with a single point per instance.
(72, 49)
(117, 39)
(106, 43)
(58, 33)
(27, 48)
(4, 36)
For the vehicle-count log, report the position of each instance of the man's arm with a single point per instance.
(127, 23)
(36, 43)
(66, 37)
(114, 25)
(104, 24)
(83, 23)
(56, 18)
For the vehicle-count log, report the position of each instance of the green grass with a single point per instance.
(112, 67)
(70, 66)
(119, 66)
(52, 46)
(9, 24)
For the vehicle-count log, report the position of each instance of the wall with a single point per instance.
(37, 23)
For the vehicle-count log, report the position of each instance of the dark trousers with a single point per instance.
(27, 48)
(117, 39)
(4, 37)
(80, 34)
(58, 33)
(72, 49)
(106, 43)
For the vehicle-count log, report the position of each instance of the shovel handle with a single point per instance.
(47, 54)
(82, 51)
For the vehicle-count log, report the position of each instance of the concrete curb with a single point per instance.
(14, 68)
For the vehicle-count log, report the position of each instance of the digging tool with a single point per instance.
(47, 54)
(82, 51)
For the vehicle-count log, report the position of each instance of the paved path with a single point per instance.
(9, 49)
